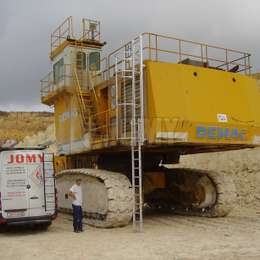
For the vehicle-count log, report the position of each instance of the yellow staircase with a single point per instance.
(84, 101)
(86, 108)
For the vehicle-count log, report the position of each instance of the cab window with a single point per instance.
(58, 70)
(94, 61)
(81, 60)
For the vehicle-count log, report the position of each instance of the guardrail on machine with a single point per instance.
(164, 48)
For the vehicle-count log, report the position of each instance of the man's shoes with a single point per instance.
(78, 230)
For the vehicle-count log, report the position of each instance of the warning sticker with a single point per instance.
(37, 176)
(222, 118)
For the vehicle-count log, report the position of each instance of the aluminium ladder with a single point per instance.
(49, 183)
(133, 116)
(136, 157)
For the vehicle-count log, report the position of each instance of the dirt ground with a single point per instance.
(165, 237)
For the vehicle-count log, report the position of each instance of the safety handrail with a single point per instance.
(61, 33)
(152, 47)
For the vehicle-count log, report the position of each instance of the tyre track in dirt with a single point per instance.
(232, 223)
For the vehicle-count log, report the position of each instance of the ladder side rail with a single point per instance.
(133, 179)
(140, 180)
(117, 106)
(44, 184)
(125, 98)
(133, 93)
(141, 87)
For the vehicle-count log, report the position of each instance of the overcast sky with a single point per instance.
(25, 27)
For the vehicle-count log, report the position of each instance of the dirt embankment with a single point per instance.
(45, 138)
(243, 165)
(17, 125)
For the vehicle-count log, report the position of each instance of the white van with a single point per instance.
(27, 187)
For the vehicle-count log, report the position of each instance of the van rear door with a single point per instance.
(14, 186)
(35, 182)
(41, 181)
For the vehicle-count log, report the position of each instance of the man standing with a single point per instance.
(76, 194)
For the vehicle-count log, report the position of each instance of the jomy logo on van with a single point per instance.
(25, 158)
(220, 133)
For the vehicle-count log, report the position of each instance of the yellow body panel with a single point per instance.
(182, 106)
(191, 105)
(69, 134)
(182, 98)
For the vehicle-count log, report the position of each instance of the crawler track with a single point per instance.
(115, 193)
(118, 197)
(226, 195)
(222, 184)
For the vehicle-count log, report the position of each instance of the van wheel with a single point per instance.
(3, 228)
(44, 226)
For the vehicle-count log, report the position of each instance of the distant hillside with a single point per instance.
(17, 125)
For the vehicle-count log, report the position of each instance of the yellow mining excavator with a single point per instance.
(121, 119)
